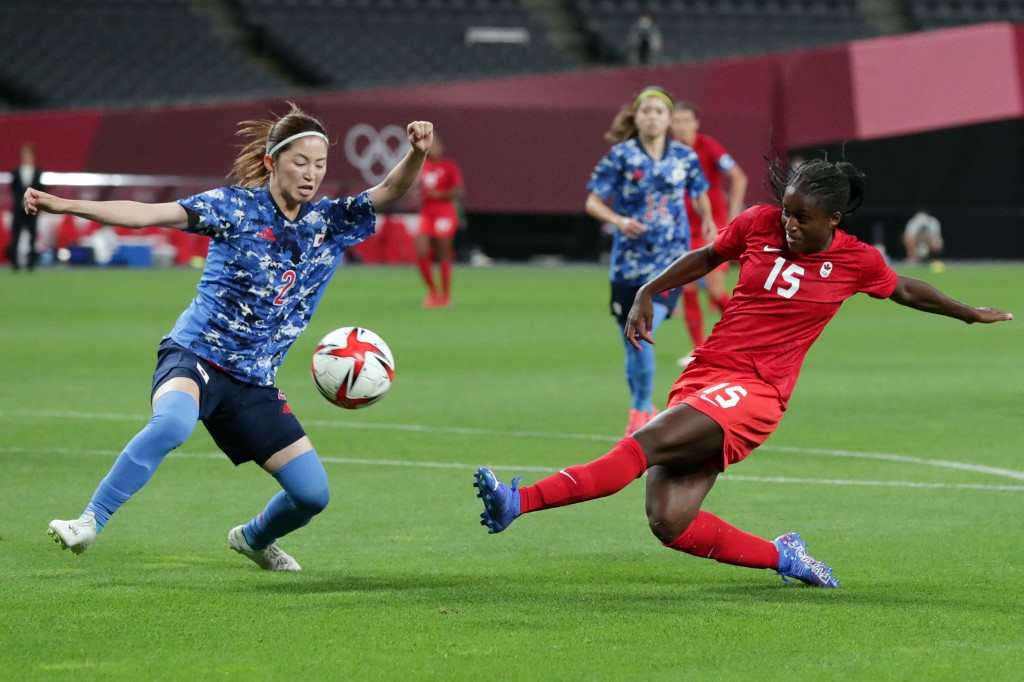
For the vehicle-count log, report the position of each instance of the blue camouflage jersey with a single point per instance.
(264, 275)
(651, 192)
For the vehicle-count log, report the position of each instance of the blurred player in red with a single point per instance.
(796, 269)
(717, 164)
(440, 187)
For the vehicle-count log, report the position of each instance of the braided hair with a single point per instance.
(838, 187)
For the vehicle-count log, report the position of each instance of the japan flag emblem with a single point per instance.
(318, 240)
(826, 269)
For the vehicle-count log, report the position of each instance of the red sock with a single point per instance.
(720, 302)
(426, 272)
(446, 277)
(609, 474)
(694, 317)
(712, 538)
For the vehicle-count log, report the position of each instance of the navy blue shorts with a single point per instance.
(623, 295)
(248, 423)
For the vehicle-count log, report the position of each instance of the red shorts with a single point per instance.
(439, 222)
(746, 407)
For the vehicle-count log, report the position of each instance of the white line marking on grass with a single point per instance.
(948, 464)
(491, 433)
(549, 470)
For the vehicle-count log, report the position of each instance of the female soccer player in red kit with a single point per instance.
(440, 186)
(717, 164)
(796, 268)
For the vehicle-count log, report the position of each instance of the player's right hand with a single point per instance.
(630, 227)
(640, 321)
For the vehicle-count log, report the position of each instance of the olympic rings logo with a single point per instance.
(375, 153)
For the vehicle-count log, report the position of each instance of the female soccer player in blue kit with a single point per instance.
(273, 249)
(639, 188)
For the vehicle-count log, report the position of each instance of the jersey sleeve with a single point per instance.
(218, 211)
(353, 219)
(723, 159)
(877, 280)
(604, 179)
(731, 243)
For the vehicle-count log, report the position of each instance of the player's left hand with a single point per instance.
(421, 135)
(989, 315)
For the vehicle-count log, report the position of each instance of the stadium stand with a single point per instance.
(936, 14)
(365, 43)
(58, 53)
(707, 29)
(75, 53)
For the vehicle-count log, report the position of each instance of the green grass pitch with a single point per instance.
(899, 461)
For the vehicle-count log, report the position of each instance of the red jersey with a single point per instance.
(784, 299)
(715, 161)
(439, 175)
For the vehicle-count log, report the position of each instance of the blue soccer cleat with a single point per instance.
(501, 502)
(795, 562)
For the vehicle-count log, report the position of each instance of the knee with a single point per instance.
(667, 525)
(314, 501)
(173, 429)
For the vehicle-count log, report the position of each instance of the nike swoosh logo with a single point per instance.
(771, 248)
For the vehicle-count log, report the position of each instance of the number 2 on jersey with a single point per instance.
(289, 279)
(789, 276)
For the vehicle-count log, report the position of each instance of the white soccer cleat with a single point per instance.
(271, 558)
(76, 535)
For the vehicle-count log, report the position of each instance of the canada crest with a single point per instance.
(826, 269)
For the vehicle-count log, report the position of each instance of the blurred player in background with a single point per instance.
(717, 164)
(441, 188)
(922, 237)
(26, 175)
(273, 249)
(796, 269)
(638, 187)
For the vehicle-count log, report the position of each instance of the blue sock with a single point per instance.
(174, 419)
(640, 366)
(305, 494)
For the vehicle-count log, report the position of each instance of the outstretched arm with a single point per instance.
(132, 214)
(687, 268)
(920, 295)
(403, 175)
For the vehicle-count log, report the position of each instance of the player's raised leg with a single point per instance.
(606, 475)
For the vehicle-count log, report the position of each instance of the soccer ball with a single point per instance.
(353, 367)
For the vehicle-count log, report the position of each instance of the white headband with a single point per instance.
(273, 150)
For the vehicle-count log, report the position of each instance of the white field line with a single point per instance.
(516, 468)
(499, 433)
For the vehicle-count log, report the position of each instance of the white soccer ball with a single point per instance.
(353, 367)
